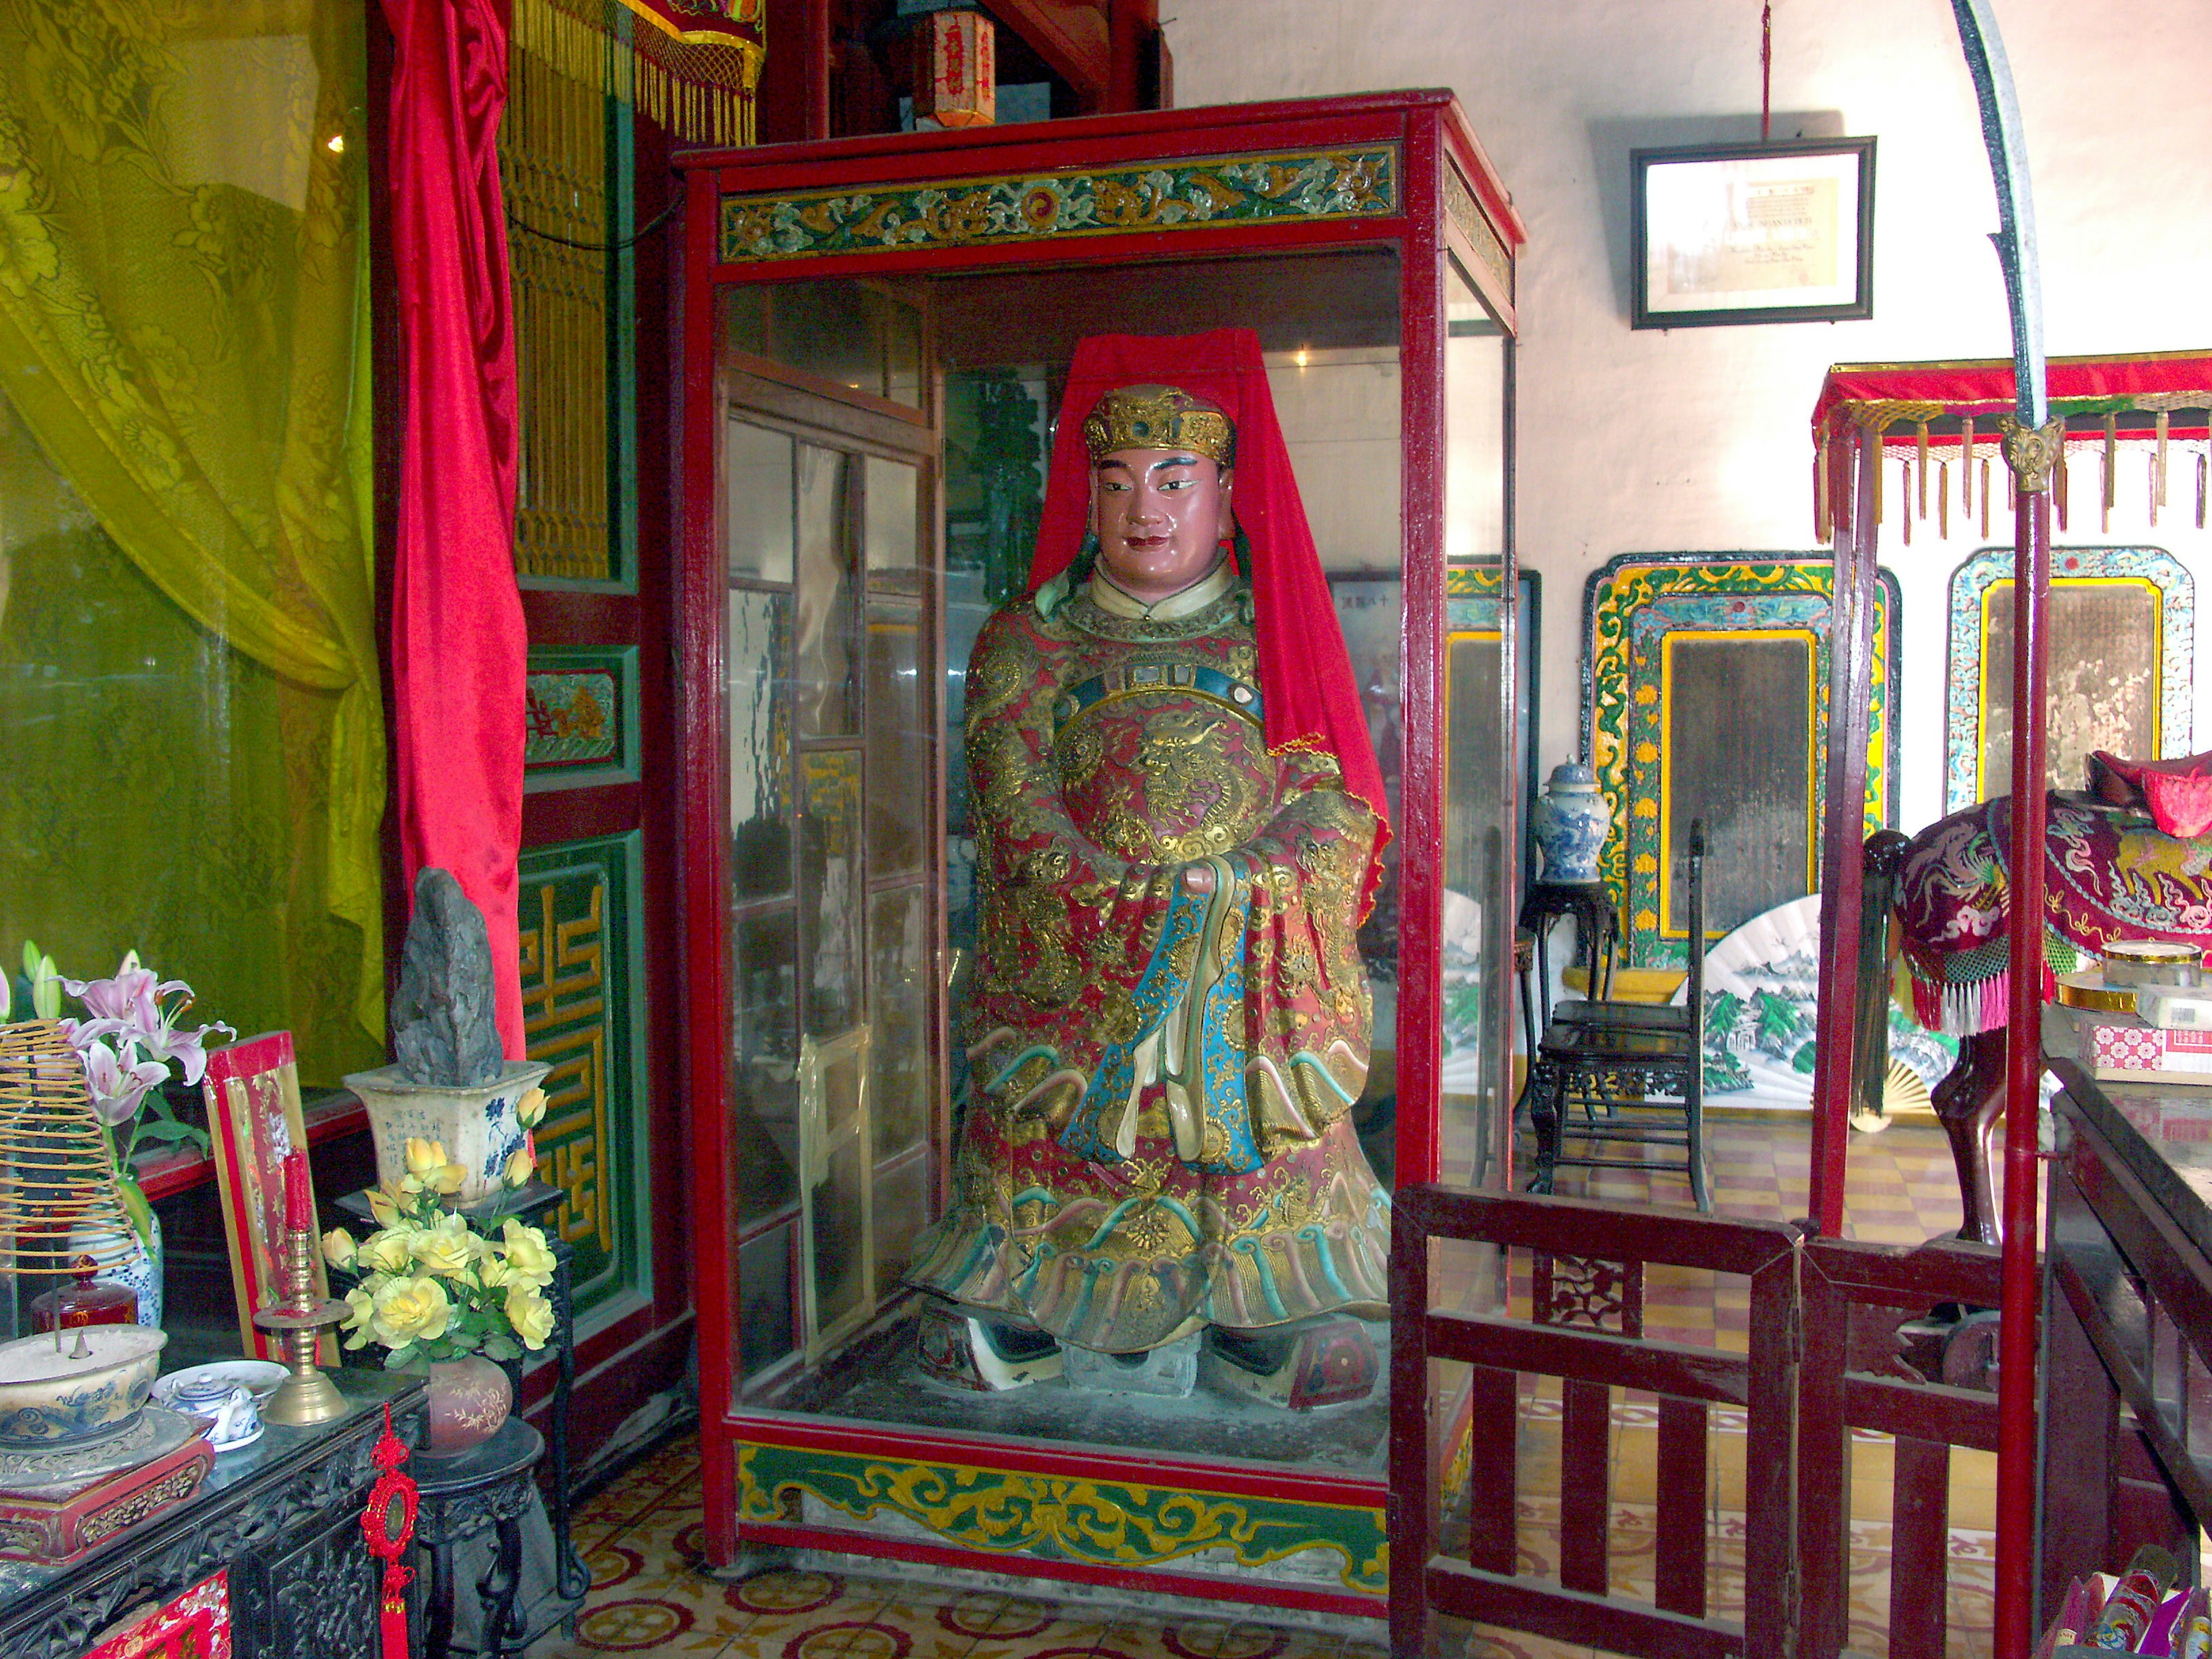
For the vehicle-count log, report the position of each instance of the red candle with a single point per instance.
(298, 1204)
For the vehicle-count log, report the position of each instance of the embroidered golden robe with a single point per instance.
(1155, 1137)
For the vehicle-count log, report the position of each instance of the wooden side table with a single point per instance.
(1598, 927)
(487, 1486)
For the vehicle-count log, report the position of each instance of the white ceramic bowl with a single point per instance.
(258, 1378)
(49, 1399)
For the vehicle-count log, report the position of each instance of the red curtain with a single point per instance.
(458, 646)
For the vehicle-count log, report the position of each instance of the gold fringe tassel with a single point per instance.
(1985, 498)
(1943, 500)
(2203, 469)
(1920, 448)
(1905, 493)
(699, 113)
(2158, 496)
(1967, 464)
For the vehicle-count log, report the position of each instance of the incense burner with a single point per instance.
(75, 1386)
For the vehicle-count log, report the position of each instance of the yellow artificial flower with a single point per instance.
(383, 1209)
(428, 1163)
(492, 1272)
(529, 1261)
(388, 1251)
(338, 1246)
(531, 1315)
(531, 1108)
(445, 1247)
(520, 1166)
(410, 1311)
(362, 1303)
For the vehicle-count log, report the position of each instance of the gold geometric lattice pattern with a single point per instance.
(59, 1198)
(564, 1001)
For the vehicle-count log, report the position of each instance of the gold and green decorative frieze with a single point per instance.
(1474, 224)
(1310, 186)
(580, 977)
(1056, 1517)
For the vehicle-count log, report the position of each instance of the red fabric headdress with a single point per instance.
(1306, 685)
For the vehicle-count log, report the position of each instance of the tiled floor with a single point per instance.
(642, 1537)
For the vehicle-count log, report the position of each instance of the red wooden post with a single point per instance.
(1420, 776)
(1843, 829)
(2029, 454)
(701, 584)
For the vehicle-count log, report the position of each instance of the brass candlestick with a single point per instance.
(308, 1396)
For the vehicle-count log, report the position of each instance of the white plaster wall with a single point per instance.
(1697, 440)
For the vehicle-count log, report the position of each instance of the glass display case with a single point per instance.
(876, 338)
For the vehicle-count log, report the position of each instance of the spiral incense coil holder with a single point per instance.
(308, 1396)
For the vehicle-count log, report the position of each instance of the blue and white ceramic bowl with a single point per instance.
(50, 1397)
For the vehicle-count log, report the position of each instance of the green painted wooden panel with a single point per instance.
(581, 985)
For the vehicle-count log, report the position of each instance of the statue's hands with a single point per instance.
(1199, 878)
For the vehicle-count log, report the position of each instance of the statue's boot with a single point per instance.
(972, 1350)
(1318, 1362)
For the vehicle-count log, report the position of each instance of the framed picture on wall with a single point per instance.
(1778, 232)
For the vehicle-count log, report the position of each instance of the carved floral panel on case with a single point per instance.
(196, 1626)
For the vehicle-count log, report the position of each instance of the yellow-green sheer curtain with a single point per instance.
(183, 343)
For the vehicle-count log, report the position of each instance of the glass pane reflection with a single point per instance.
(757, 651)
(830, 891)
(898, 1088)
(891, 507)
(826, 693)
(756, 489)
(1472, 1129)
(898, 744)
(764, 1062)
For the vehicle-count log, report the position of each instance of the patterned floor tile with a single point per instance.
(643, 1537)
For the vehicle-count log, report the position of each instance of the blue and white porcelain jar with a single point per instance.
(1570, 823)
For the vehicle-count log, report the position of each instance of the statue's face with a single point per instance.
(1162, 515)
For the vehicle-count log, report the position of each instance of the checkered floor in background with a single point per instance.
(642, 1535)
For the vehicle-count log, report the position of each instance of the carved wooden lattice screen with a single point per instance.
(553, 149)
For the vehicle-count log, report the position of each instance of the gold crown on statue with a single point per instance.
(1158, 418)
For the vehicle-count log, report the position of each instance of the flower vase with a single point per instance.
(1570, 823)
(479, 1126)
(140, 1272)
(469, 1398)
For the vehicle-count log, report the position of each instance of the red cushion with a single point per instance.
(2118, 782)
(2179, 804)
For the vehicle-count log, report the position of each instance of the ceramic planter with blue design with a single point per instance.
(479, 1126)
(53, 1397)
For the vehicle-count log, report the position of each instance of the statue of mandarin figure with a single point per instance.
(1178, 816)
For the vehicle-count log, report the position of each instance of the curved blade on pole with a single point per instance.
(2030, 448)
(2015, 233)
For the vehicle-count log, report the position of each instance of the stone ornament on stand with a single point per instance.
(451, 1083)
(1569, 822)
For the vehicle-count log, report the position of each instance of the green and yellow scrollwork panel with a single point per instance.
(1359, 183)
(1103, 1522)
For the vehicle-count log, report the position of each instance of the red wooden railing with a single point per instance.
(1840, 1339)
(1932, 1396)
(1591, 1361)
